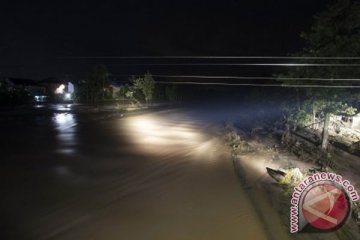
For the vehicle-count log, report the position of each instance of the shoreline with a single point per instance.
(267, 151)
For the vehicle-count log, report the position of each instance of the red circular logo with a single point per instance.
(325, 206)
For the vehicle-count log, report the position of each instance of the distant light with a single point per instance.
(40, 98)
(60, 89)
(70, 87)
(67, 96)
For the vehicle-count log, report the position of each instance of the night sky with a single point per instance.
(36, 35)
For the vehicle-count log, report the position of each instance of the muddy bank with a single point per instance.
(254, 150)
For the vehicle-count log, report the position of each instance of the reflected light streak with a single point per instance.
(63, 119)
(172, 135)
(66, 107)
(154, 131)
(65, 124)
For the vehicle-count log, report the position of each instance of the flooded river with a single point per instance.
(159, 175)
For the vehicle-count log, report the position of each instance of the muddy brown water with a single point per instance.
(147, 176)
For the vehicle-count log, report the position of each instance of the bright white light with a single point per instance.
(67, 96)
(63, 118)
(153, 131)
(145, 125)
(60, 89)
(65, 125)
(170, 135)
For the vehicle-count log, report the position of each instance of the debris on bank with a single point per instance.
(290, 158)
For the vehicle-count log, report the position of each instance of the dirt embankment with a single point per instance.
(254, 150)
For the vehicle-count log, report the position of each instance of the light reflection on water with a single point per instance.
(179, 184)
(65, 124)
(154, 134)
(150, 130)
(157, 135)
(38, 106)
(62, 107)
(190, 177)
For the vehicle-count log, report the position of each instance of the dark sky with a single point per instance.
(35, 34)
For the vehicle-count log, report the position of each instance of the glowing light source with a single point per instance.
(60, 89)
(67, 96)
(40, 98)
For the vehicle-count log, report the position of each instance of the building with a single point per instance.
(58, 90)
(32, 87)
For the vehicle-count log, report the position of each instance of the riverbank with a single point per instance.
(254, 150)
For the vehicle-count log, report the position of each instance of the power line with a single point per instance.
(252, 78)
(212, 64)
(259, 84)
(208, 57)
(242, 64)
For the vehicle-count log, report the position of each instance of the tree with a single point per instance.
(172, 92)
(146, 85)
(97, 83)
(334, 33)
(296, 115)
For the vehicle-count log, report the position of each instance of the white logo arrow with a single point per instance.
(331, 195)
